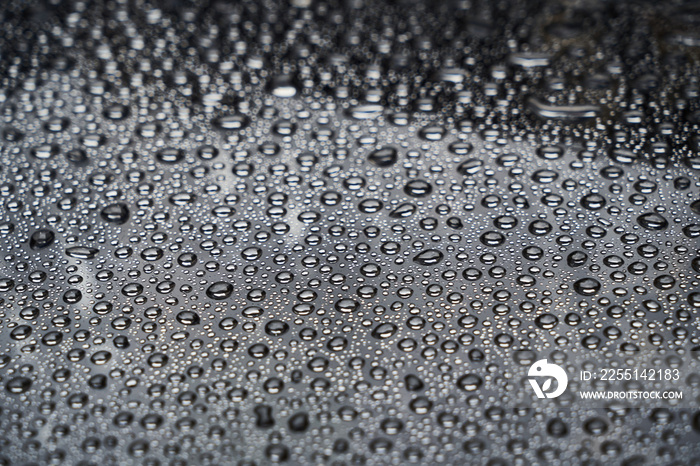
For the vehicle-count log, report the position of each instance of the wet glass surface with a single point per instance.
(343, 232)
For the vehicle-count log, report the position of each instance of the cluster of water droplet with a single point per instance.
(340, 232)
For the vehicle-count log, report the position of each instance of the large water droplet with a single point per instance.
(117, 213)
(652, 221)
(429, 257)
(220, 290)
(384, 157)
(42, 238)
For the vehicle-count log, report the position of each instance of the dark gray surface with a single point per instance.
(340, 233)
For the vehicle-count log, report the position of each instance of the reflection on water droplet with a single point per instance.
(384, 157)
(220, 290)
(115, 213)
(652, 221)
(429, 257)
(418, 188)
(587, 286)
(81, 252)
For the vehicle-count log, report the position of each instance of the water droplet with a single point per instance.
(170, 155)
(384, 157)
(429, 257)
(82, 252)
(587, 286)
(220, 291)
(117, 213)
(418, 188)
(652, 221)
(235, 122)
(384, 331)
(470, 382)
(42, 238)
